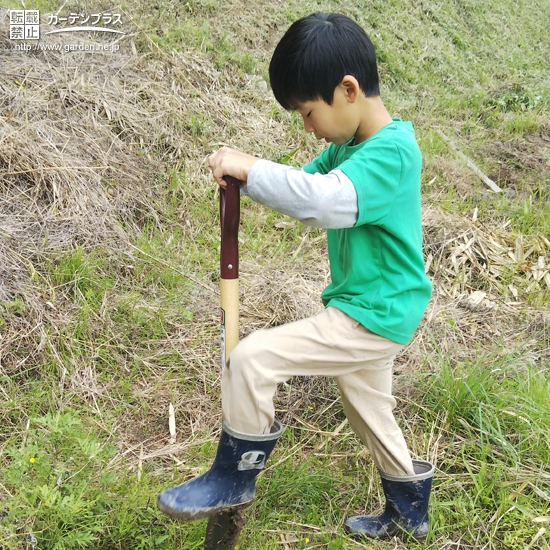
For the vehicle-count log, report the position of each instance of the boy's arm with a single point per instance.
(319, 200)
(328, 201)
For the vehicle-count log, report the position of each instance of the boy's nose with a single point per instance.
(308, 127)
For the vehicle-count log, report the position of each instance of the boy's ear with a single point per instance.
(351, 88)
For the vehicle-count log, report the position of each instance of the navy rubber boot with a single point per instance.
(406, 511)
(231, 481)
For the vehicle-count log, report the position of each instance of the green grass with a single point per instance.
(137, 322)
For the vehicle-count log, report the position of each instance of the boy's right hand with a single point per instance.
(230, 162)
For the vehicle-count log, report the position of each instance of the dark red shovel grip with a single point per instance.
(230, 210)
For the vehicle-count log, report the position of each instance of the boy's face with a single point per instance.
(336, 123)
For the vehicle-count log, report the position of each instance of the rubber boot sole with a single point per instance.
(398, 533)
(192, 515)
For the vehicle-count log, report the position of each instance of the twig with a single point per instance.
(488, 181)
(333, 434)
(140, 464)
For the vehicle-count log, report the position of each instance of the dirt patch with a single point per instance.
(523, 163)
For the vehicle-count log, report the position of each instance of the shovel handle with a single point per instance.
(229, 219)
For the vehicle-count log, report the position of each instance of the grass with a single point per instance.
(132, 326)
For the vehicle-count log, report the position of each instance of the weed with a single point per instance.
(48, 470)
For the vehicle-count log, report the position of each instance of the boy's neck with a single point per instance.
(373, 116)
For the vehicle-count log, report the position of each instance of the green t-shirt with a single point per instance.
(377, 266)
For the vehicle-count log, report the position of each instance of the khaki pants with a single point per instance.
(327, 344)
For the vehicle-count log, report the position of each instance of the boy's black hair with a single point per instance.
(315, 54)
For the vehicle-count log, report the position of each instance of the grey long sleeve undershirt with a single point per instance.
(328, 201)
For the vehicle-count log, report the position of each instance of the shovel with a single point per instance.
(224, 528)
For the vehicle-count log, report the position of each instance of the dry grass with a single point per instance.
(82, 140)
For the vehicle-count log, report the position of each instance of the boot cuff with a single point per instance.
(276, 431)
(422, 469)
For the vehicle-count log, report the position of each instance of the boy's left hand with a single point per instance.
(230, 162)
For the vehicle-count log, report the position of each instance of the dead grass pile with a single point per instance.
(491, 290)
(274, 297)
(67, 176)
(83, 133)
(523, 160)
(466, 256)
(84, 137)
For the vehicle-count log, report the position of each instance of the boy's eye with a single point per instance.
(308, 114)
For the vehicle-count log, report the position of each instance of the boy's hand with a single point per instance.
(230, 162)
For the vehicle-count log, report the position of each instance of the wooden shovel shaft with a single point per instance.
(223, 530)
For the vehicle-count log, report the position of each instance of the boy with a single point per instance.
(365, 189)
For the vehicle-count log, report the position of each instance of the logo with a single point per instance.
(25, 27)
(24, 24)
(252, 460)
(95, 22)
(222, 320)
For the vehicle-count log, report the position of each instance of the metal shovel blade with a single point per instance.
(223, 530)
